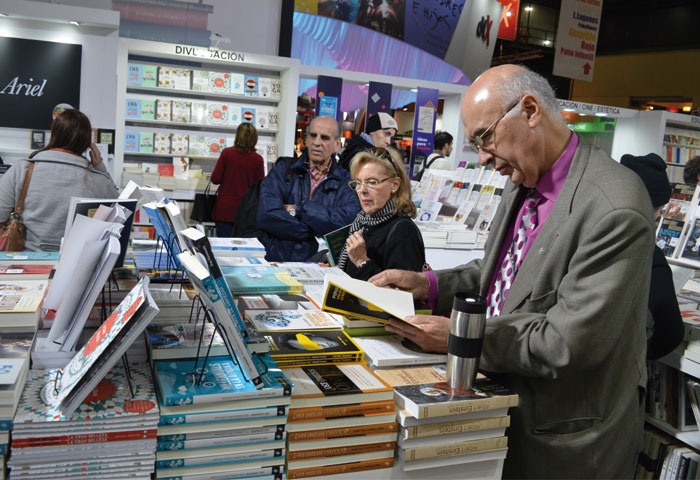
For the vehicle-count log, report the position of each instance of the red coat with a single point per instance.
(235, 172)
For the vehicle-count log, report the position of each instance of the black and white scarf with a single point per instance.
(362, 219)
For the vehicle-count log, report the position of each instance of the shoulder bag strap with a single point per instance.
(25, 187)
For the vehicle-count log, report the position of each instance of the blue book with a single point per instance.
(219, 455)
(40, 258)
(199, 243)
(220, 315)
(164, 232)
(222, 413)
(256, 280)
(220, 380)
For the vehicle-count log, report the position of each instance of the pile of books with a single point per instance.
(214, 419)
(341, 419)
(443, 427)
(111, 434)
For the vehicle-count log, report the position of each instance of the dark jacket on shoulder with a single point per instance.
(290, 238)
(356, 145)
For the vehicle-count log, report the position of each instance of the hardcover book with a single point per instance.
(335, 385)
(291, 320)
(184, 382)
(306, 345)
(245, 280)
(357, 298)
(111, 340)
(438, 399)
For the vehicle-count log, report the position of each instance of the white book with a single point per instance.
(392, 350)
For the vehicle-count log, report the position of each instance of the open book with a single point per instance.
(359, 299)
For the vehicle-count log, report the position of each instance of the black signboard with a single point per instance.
(35, 76)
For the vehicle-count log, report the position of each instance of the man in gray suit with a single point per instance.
(569, 337)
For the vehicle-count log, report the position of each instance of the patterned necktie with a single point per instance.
(514, 256)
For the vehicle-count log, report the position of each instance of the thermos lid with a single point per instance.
(469, 303)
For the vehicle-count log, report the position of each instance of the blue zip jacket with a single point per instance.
(290, 238)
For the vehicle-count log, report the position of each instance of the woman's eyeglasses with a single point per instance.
(372, 183)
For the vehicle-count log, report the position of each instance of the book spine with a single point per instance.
(343, 432)
(218, 441)
(457, 408)
(285, 360)
(175, 436)
(336, 451)
(83, 438)
(336, 411)
(433, 429)
(341, 468)
(221, 458)
(456, 448)
(181, 419)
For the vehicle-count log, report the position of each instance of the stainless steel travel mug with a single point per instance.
(467, 324)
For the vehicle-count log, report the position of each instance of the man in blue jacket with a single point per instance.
(307, 200)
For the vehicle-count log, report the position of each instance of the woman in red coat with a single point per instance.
(237, 169)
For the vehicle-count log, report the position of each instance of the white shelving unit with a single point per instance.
(280, 139)
(679, 362)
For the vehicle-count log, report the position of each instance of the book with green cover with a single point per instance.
(335, 241)
(251, 280)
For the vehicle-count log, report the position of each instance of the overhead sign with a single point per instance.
(34, 78)
(577, 38)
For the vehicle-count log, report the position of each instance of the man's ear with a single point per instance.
(532, 108)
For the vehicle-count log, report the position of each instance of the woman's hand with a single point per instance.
(95, 157)
(356, 248)
(431, 337)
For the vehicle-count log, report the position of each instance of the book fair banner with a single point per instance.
(423, 126)
(328, 94)
(579, 23)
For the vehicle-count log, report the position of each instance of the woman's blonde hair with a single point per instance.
(391, 162)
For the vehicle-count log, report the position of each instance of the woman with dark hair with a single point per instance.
(383, 235)
(60, 171)
(237, 169)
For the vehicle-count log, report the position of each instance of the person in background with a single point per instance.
(665, 328)
(567, 331)
(382, 235)
(381, 129)
(691, 171)
(443, 149)
(313, 200)
(60, 172)
(237, 168)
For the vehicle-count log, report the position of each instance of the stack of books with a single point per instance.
(215, 420)
(237, 247)
(256, 280)
(442, 427)
(20, 304)
(341, 419)
(112, 433)
(390, 350)
(306, 347)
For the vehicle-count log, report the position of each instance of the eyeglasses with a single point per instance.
(479, 141)
(372, 183)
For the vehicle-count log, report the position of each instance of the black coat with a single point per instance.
(356, 145)
(395, 244)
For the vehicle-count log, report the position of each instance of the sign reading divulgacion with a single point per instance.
(210, 53)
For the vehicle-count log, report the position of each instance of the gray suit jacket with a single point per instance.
(570, 339)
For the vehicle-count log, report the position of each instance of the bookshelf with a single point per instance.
(211, 91)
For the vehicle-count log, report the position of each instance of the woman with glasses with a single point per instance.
(383, 234)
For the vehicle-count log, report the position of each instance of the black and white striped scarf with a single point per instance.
(362, 219)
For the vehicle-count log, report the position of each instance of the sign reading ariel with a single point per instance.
(35, 77)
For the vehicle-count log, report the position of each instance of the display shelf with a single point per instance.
(275, 76)
(691, 438)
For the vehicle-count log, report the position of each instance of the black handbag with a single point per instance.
(203, 205)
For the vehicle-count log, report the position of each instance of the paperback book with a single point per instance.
(393, 350)
(312, 346)
(357, 298)
(20, 302)
(237, 247)
(292, 320)
(219, 379)
(187, 340)
(322, 385)
(45, 258)
(335, 241)
(438, 399)
(25, 271)
(252, 280)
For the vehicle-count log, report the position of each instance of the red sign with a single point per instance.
(508, 28)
